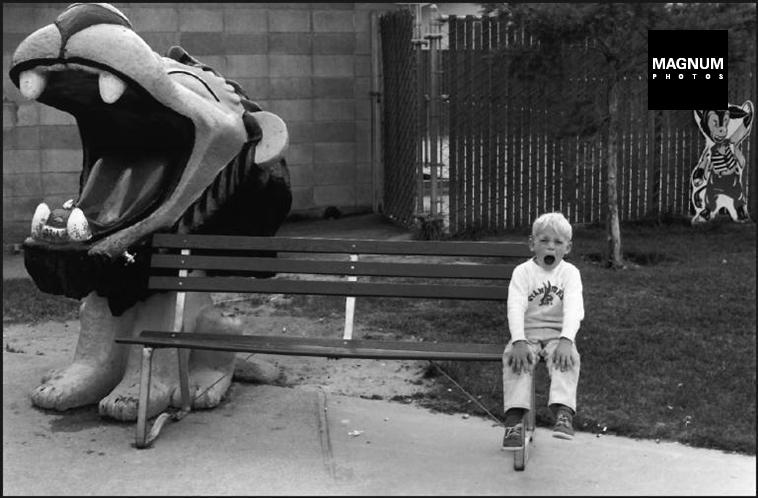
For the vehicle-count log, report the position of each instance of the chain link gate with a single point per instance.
(400, 125)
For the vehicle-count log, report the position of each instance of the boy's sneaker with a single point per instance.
(513, 436)
(564, 424)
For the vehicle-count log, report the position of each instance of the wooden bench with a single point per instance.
(392, 269)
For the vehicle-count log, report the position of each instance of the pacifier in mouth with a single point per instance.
(549, 259)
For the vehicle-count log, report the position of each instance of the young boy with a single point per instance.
(545, 308)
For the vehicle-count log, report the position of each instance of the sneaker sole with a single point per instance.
(563, 435)
(511, 448)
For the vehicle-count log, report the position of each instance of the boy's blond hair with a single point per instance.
(556, 221)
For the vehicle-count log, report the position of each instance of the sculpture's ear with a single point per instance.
(274, 137)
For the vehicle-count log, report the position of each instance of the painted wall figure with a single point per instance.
(716, 180)
(169, 145)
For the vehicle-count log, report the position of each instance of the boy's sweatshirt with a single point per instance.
(545, 299)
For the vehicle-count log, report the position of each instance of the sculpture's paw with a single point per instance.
(79, 384)
(207, 387)
(122, 403)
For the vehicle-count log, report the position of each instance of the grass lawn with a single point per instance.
(667, 345)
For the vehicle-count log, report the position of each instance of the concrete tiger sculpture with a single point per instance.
(169, 145)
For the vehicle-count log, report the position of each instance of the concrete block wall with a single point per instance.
(310, 63)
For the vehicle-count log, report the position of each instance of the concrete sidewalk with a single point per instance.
(269, 440)
(297, 441)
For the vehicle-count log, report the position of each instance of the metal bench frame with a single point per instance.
(231, 260)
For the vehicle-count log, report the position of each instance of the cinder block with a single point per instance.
(146, 18)
(363, 195)
(331, 21)
(333, 66)
(52, 116)
(162, 41)
(246, 19)
(329, 153)
(28, 114)
(333, 173)
(62, 160)
(60, 137)
(23, 185)
(333, 110)
(11, 41)
(363, 109)
(291, 88)
(333, 43)
(332, 87)
(301, 175)
(21, 161)
(362, 21)
(194, 19)
(21, 19)
(10, 115)
(292, 110)
(26, 137)
(334, 195)
(363, 65)
(23, 208)
(343, 131)
(60, 183)
(362, 173)
(362, 87)
(301, 132)
(290, 65)
(333, 5)
(255, 43)
(362, 141)
(202, 43)
(246, 66)
(290, 43)
(299, 154)
(363, 43)
(302, 198)
(289, 20)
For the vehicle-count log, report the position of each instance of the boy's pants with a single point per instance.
(517, 388)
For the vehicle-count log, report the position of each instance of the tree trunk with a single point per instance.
(615, 259)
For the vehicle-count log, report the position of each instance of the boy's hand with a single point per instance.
(520, 357)
(562, 356)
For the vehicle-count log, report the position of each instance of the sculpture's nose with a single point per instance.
(80, 16)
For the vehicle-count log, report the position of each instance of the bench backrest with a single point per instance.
(413, 269)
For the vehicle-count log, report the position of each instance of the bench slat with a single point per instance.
(348, 268)
(331, 288)
(343, 246)
(325, 347)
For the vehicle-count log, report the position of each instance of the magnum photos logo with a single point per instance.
(687, 69)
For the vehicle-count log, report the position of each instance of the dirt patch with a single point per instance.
(375, 379)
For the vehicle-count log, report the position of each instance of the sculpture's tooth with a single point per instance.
(68, 204)
(41, 214)
(111, 87)
(32, 83)
(77, 226)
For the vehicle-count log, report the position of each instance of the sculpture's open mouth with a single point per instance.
(135, 148)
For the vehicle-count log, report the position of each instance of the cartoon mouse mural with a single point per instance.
(717, 178)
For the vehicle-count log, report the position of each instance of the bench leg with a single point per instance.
(521, 455)
(183, 355)
(144, 397)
